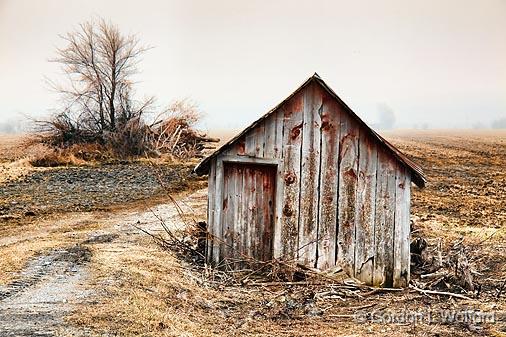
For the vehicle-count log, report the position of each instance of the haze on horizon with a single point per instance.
(439, 64)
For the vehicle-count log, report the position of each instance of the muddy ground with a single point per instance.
(77, 265)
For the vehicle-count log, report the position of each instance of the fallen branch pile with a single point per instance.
(441, 272)
(172, 132)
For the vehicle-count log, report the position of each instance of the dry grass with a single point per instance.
(18, 247)
(145, 293)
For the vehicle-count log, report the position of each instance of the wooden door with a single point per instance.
(248, 211)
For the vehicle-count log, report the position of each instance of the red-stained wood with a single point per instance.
(348, 171)
(252, 210)
(309, 176)
(228, 212)
(238, 148)
(330, 131)
(239, 224)
(365, 209)
(292, 142)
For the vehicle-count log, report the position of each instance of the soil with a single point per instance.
(85, 189)
(103, 277)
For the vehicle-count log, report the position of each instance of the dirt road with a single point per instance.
(53, 284)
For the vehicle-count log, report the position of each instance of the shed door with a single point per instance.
(248, 210)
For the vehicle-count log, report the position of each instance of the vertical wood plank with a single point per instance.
(292, 140)
(260, 141)
(218, 229)
(254, 143)
(250, 143)
(384, 220)
(226, 214)
(238, 148)
(390, 222)
(259, 224)
(279, 183)
(279, 136)
(330, 131)
(270, 136)
(365, 211)
(379, 221)
(348, 166)
(211, 224)
(309, 176)
(269, 212)
(238, 219)
(248, 216)
(401, 231)
(406, 253)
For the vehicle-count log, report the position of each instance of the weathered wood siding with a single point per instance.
(340, 198)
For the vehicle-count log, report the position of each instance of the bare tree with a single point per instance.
(99, 63)
(99, 105)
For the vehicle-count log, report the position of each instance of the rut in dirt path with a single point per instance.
(51, 285)
(35, 304)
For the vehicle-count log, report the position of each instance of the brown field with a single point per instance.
(129, 286)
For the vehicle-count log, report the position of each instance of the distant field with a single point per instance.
(10, 147)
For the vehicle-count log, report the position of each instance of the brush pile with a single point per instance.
(439, 270)
(172, 133)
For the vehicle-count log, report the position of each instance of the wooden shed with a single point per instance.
(309, 181)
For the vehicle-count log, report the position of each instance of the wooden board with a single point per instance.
(402, 229)
(211, 224)
(255, 141)
(228, 214)
(329, 167)
(365, 210)
(309, 176)
(292, 140)
(384, 221)
(249, 214)
(239, 225)
(405, 249)
(237, 149)
(348, 170)
(218, 205)
(270, 137)
(278, 202)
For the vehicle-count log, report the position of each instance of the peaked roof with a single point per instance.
(417, 174)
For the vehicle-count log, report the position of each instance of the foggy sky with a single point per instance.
(435, 62)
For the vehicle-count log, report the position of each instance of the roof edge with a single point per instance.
(418, 176)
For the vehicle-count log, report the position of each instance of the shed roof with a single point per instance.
(417, 174)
